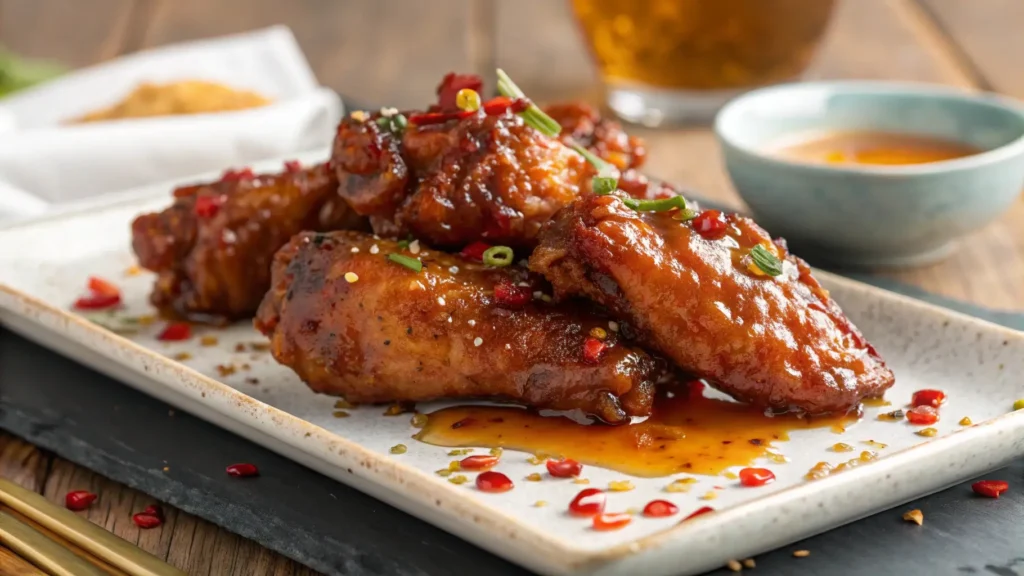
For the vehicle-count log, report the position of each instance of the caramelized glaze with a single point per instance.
(686, 433)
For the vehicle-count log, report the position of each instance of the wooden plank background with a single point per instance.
(394, 51)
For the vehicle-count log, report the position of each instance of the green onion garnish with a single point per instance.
(413, 264)
(604, 186)
(533, 116)
(498, 256)
(662, 205)
(766, 261)
(685, 215)
(394, 124)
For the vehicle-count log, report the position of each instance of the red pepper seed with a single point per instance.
(614, 521)
(78, 500)
(660, 509)
(146, 521)
(589, 502)
(567, 468)
(928, 397)
(242, 470)
(922, 415)
(175, 332)
(753, 477)
(990, 488)
(478, 462)
(493, 482)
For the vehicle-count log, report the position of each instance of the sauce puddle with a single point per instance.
(686, 433)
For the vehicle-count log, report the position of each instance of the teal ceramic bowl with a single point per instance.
(873, 215)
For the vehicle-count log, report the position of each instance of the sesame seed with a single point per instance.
(478, 341)
(440, 300)
(749, 563)
(538, 294)
(374, 249)
(508, 346)
(388, 112)
(376, 237)
(454, 269)
(734, 566)
(802, 553)
(359, 115)
(524, 284)
(355, 250)
(351, 277)
(449, 319)
(545, 298)
(414, 247)
(613, 326)
(471, 322)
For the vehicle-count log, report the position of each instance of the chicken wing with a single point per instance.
(693, 291)
(351, 322)
(213, 246)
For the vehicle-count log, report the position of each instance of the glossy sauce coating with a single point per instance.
(776, 342)
(216, 267)
(686, 433)
(357, 325)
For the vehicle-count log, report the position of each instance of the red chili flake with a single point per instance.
(922, 415)
(292, 166)
(101, 287)
(696, 389)
(478, 462)
(567, 468)
(493, 482)
(231, 175)
(208, 206)
(710, 224)
(475, 251)
(175, 332)
(614, 521)
(508, 295)
(146, 521)
(97, 302)
(589, 502)
(753, 477)
(928, 397)
(79, 500)
(426, 118)
(242, 470)
(990, 488)
(660, 509)
(698, 512)
(448, 89)
(592, 350)
(501, 104)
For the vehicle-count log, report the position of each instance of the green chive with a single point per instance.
(594, 160)
(604, 186)
(498, 256)
(685, 215)
(766, 261)
(533, 115)
(662, 205)
(413, 264)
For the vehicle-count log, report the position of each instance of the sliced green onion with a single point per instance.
(394, 124)
(400, 122)
(596, 161)
(413, 264)
(404, 244)
(533, 115)
(685, 215)
(604, 186)
(766, 261)
(662, 205)
(498, 256)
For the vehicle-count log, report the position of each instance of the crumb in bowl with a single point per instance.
(176, 98)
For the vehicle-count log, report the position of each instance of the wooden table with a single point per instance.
(966, 44)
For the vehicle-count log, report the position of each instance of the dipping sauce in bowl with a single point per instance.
(869, 147)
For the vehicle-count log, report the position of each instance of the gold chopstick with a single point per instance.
(48, 555)
(96, 541)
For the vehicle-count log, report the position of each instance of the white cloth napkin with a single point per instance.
(45, 162)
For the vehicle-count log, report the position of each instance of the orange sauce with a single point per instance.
(686, 433)
(878, 148)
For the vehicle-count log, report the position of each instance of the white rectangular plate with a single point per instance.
(44, 266)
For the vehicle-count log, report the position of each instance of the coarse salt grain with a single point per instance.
(613, 326)
(440, 300)
(351, 277)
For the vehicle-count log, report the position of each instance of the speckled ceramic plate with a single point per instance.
(44, 266)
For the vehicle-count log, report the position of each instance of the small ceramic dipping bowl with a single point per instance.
(867, 215)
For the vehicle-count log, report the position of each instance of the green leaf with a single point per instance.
(17, 73)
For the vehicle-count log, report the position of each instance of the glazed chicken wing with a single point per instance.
(213, 246)
(351, 322)
(694, 291)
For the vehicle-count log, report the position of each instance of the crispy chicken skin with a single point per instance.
(212, 248)
(583, 125)
(358, 325)
(487, 178)
(779, 342)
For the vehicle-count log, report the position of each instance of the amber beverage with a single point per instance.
(680, 60)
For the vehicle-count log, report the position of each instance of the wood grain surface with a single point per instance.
(394, 51)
